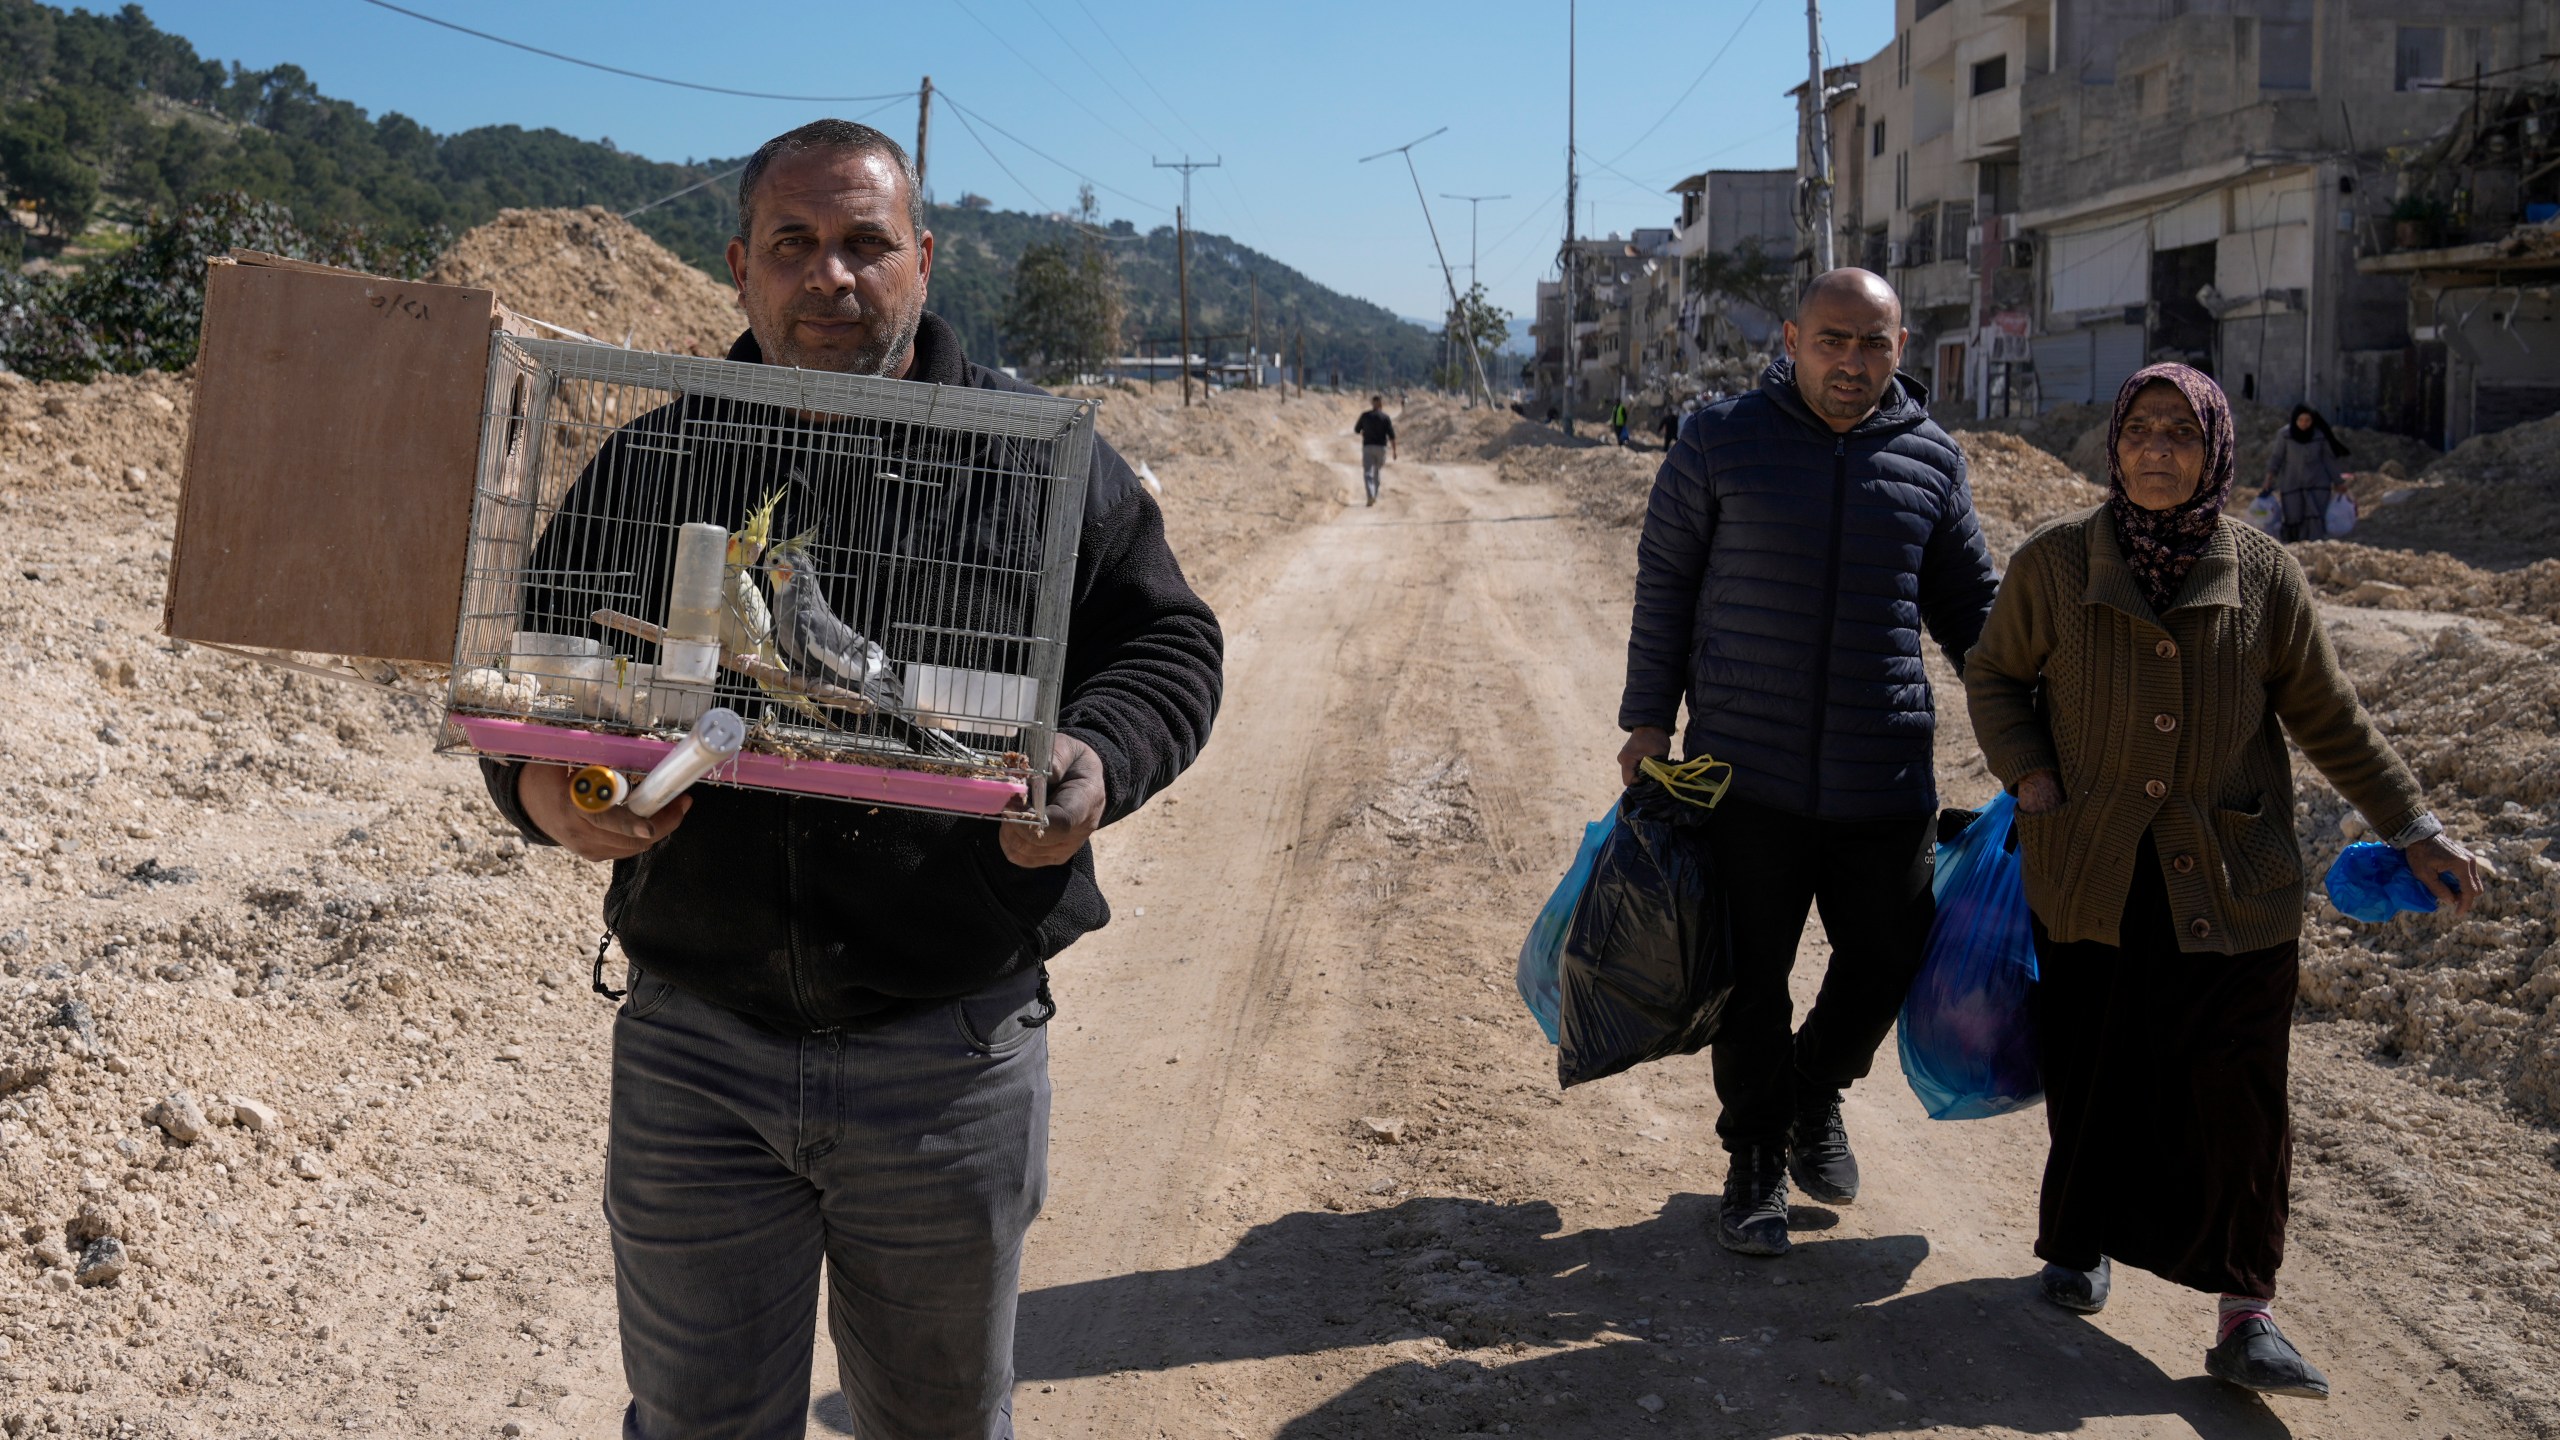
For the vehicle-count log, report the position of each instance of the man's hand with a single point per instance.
(1075, 808)
(2437, 856)
(1645, 742)
(2040, 793)
(617, 834)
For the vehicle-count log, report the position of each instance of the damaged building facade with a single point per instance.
(2066, 190)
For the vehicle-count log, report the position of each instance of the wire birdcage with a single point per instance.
(875, 574)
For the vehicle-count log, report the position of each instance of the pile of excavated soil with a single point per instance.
(1608, 485)
(1230, 468)
(2017, 487)
(596, 273)
(2360, 574)
(2494, 501)
(1435, 427)
(376, 1210)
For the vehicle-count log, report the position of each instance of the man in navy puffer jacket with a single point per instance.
(1799, 539)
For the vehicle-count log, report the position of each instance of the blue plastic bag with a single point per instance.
(2372, 883)
(1536, 976)
(1967, 1038)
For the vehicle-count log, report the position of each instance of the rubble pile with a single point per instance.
(2017, 487)
(2495, 500)
(2359, 574)
(1435, 427)
(1607, 484)
(2478, 1002)
(596, 273)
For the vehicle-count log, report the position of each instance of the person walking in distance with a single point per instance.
(1618, 422)
(1669, 426)
(1377, 442)
(833, 1055)
(1798, 540)
(2303, 475)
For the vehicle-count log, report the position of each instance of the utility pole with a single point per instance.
(1465, 323)
(1572, 258)
(1302, 359)
(1253, 335)
(1186, 165)
(924, 125)
(1182, 268)
(1472, 202)
(1818, 139)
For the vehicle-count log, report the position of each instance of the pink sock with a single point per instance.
(2236, 1308)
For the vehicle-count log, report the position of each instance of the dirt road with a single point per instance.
(1316, 930)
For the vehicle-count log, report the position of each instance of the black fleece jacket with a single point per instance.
(806, 913)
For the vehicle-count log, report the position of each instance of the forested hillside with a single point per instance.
(107, 120)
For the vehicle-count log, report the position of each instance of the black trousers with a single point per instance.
(1871, 878)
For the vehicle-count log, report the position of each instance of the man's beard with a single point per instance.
(884, 354)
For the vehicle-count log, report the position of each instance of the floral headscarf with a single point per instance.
(2162, 545)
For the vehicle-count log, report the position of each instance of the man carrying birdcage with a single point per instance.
(832, 1049)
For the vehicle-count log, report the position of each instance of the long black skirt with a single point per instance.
(2164, 1079)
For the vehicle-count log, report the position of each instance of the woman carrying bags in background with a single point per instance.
(2122, 689)
(2303, 475)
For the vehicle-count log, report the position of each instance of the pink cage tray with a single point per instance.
(880, 784)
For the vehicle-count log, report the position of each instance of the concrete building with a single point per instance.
(2199, 187)
(1727, 213)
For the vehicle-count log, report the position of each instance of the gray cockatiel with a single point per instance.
(824, 648)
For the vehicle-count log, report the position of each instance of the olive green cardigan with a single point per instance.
(2168, 723)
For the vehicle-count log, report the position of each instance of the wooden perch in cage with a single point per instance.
(763, 672)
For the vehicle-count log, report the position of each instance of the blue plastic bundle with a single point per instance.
(1536, 975)
(2373, 882)
(1967, 1038)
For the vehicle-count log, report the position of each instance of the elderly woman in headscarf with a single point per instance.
(2303, 474)
(2129, 687)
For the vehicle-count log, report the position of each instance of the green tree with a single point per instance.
(1748, 273)
(1063, 320)
(40, 170)
(1489, 323)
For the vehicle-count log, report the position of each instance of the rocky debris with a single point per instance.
(97, 1220)
(255, 1116)
(1606, 484)
(76, 1017)
(2494, 501)
(307, 1166)
(1382, 1130)
(594, 272)
(2017, 487)
(179, 1116)
(103, 1263)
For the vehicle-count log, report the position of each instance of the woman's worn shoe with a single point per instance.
(2256, 1356)
(2080, 1291)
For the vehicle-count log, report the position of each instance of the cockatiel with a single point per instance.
(825, 648)
(746, 625)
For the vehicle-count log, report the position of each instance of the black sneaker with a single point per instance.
(1818, 1148)
(2256, 1356)
(1753, 1219)
(2083, 1292)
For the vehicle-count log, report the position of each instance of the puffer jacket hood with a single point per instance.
(1784, 579)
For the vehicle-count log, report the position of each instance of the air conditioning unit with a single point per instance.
(1973, 246)
(2021, 256)
(1897, 254)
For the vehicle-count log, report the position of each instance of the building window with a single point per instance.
(1991, 74)
(1902, 61)
(1996, 187)
(1875, 139)
(1954, 219)
(2420, 63)
(1901, 179)
(1920, 243)
(2151, 92)
(2284, 55)
(1875, 252)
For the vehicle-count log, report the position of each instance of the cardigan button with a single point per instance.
(2166, 649)
(2201, 929)
(2184, 864)
(2164, 723)
(2155, 789)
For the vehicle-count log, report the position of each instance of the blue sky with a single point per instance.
(1289, 96)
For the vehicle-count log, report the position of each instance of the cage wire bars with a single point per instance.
(876, 574)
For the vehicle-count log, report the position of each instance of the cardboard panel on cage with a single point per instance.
(328, 492)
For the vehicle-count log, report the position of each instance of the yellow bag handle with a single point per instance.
(1691, 779)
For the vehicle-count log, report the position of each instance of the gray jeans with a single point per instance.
(1371, 458)
(909, 1155)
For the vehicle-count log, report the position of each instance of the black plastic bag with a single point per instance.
(1648, 965)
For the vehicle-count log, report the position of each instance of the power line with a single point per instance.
(991, 154)
(1694, 84)
(1045, 155)
(1116, 92)
(1134, 69)
(1045, 78)
(632, 74)
(689, 189)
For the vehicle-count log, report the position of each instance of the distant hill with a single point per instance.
(133, 113)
